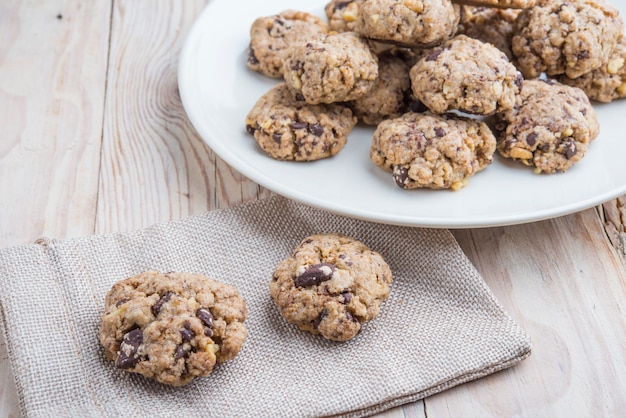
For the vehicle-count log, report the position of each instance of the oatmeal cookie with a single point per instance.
(432, 151)
(550, 128)
(468, 75)
(331, 285)
(608, 82)
(388, 96)
(566, 37)
(172, 327)
(408, 22)
(287, 128)
(490, 25)
(272, 36)
(336, 68)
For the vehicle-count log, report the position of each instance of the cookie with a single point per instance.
(271, 38)
(468, 75)
(342, 14)
(387, 99)
(432, 151)
(331, 285)
(550, 128)
(559, 37)
(490, 25)
(335, 68)
(408, 22)
(172, 327)
(287, 128)
(504, 4)
(608, 82)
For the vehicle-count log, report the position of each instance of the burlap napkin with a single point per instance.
(441, 325)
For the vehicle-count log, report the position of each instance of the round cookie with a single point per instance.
(271, 38)
(608, 82)
(387, 99)
(172, 327)
(287, 128)
(408, 22)
(432, 151)
(550, 128)
(468, 75)
(572, 38)
(331, 285)
(335, 68)
(342, 14)
(490, 25)
(504, 4)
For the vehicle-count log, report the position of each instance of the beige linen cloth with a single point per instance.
(440, 327)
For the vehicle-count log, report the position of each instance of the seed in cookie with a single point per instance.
(423, 150)
(468, 75)
(331, 285)
(408, 22)
(156, 325)
(288, 128)
(566, 37)
(335, 68)
(272, 36)
(550, 128)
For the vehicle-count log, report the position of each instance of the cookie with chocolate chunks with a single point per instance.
(172, 327)
(331, 285)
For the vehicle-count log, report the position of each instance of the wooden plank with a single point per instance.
(53, 56)
(562, 281)
(613, 214)
(155, 167)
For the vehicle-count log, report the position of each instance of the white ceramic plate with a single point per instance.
(218, 90)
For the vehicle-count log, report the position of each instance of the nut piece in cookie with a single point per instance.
(272, 36)
(490, 25)
(468, 75)
(550, 128)
(608, 82)
(432, 151)
(408, 22)
(331, 285)
(335, 68)
(287, 128)
(387, 99)
(172, 327)
(566, 37)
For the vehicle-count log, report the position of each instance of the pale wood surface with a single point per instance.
(94, 139)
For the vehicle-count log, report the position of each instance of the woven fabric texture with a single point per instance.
(440, 327)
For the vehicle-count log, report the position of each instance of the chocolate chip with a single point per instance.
(127, 356)
(351, 317)
(318, 319)
(252, 59)
(208, 332)
(298, 125)
(544, 147)
(186, 333)
(519, 81)
(400, 175)
(583, 55)
(440, 132)
(434, 55)
(180, 353)
(308, 241)
(250, 129)
(299, 97)
(342, 256)
(347, 297)
(531, 139)
(298, 65)
(156, 308)
(121, 302)
(277, 137)
(205, 316)
(570, 149)
(316, 129)
(315, 274)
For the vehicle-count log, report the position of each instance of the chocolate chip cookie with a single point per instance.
(331, 285)
(566, 37)
(287, 128)
(271, 38)
(468, 75)
(387, 99)
(334, 68)
(608, 82)
(408, 22)
(550, 128)
(490, 25)
(432, 151)
(172, 327)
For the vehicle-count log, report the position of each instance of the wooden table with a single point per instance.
(94, 139)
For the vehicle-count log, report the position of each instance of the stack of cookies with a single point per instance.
(445, 84)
